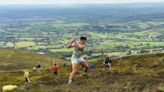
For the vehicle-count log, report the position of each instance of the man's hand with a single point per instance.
(73, 38)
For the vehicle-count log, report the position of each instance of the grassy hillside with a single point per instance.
(142, 73)
(17, 60)
(13, 62)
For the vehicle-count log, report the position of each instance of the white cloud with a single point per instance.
(72, 1)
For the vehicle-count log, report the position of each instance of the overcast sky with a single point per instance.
(73, 1)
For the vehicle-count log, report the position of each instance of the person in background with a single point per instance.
(54, 69)
(91, 66)
(34, 68)
(26, 76)
(39, 67)
(108, 62)
(64, 65)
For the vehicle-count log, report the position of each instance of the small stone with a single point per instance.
(161, 87)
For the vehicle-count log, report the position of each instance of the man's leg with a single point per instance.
(56, 73)
(28, 80)
(85, 65)
(74, 70)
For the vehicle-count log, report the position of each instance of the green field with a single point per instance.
(98, 42)
(68, 25)
(24, 44)
(61, 50)
(2, 30)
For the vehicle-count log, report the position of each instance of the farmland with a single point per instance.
(108, 32)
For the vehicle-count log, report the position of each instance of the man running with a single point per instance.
(54, 69)
(76, 56)
(108, 62)
(26, 76)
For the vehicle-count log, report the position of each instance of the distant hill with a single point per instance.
(18, 60)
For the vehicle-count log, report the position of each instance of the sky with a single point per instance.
(75, 1)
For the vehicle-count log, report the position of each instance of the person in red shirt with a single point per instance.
(54, 69)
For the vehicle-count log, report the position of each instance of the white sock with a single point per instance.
(70, 81)
(84, 73)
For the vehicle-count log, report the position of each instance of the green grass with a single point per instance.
(15, 59)
(68, 25)
(27, 39)
(61, 50)
(36, 47)
(128, 74)
(24, 44)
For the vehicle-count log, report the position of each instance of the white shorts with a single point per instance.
(74, 60)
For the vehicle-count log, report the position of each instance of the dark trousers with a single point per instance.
(55, 73)
(26, 79)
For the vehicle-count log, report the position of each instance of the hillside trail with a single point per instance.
(98, 71)
(101, 78)
(62, 78)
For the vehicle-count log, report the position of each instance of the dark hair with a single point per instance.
(83, 38)
(55, 64)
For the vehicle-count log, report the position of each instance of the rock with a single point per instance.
(6, 88)
(161, 87)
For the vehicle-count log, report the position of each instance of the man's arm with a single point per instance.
(78, 45)
(70, 44)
